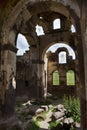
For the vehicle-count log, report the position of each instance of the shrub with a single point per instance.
(72, 105)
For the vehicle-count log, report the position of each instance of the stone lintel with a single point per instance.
(37, 61)
(9, 47)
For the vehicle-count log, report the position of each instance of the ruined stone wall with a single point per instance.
(53, 65)
(9, 14)
(28, 80)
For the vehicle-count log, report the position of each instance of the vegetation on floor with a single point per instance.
(72, 105)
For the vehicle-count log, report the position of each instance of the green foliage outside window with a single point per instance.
(72, 105)
(70, 77)
(55, 78)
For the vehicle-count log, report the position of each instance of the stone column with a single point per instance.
(45, 75)
(33, 58)
(62, 73)
(84, 90)
(40, 81)
(84, 81)
(9, 82)
(36, 77)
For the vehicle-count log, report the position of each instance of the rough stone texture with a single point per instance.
(22, 16)
(53, 64)
(58, 114)
(40, 110)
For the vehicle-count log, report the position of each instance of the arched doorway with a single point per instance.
(53, 63)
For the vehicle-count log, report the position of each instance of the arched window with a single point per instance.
(62, 57)
(39, 30)
(70, 77)
(73, 30)
(56, 24)
(54, 48)
(56, 78)
(22, 44)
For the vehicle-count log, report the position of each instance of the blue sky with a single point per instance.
(54, 47)
(22, 44)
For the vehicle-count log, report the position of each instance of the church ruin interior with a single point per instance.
(51, 72)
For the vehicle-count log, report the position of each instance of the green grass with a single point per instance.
(72, 105)
(54, 124)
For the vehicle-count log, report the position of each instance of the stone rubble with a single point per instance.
(45, 115)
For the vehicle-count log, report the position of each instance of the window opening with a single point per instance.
(62, 57)
(39, 30)
(56, 78)
(26, 83)
(70, 77)
(73, 30)
(54, 48)
(56, 24)
(22, 44)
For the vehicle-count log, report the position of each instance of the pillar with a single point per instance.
(8, 82)
(36, 74)
(84, 82)
(62, 73)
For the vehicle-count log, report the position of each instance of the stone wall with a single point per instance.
(53, 65)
